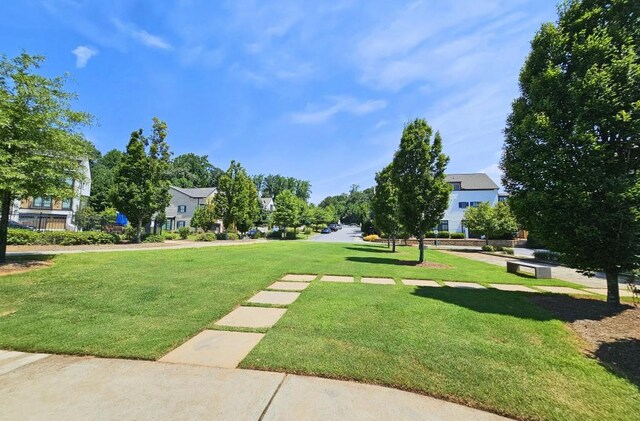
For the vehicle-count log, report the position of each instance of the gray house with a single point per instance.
(183, 204)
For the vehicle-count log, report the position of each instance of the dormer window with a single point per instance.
(456, 186)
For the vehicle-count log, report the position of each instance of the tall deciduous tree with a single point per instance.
(205, 217)
(386, 211)
(191, 170)
(419, 172)
(141, 183)
(288, 210)
(235, 201)
(40, 142)
(572, 146)
(492, 221)
(103, 173)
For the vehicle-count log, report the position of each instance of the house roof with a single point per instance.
(200, 192)
(475, 181)
(266, 200)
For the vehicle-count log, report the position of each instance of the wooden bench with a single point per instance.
(542, 272)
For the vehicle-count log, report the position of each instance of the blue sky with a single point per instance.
(311, 89)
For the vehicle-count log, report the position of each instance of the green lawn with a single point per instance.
(489, 349)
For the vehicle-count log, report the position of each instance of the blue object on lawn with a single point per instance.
(121, 219)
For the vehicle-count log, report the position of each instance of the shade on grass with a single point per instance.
(489, 349)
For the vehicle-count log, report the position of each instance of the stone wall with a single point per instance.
(463, 242)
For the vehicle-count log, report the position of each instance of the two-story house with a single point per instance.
(468, 190)
(184, 203)
(268, 204)
(49, 214)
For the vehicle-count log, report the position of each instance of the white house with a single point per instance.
(184, 203)
(468, 190)
(49, 214)
(267, 204)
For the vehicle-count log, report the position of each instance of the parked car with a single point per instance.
(339, 226)
(252, 232)
(333, 227)
(326, 230)
(19, 226)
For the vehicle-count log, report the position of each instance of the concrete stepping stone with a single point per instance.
(334, 278)
(420, 283)
(603, 291)
(289, 286)
(509, 287)
(214, 348)
(299, 278)
(11, 360)
(470, 285)
(378, 281)
(274, 297)
(252, 317)
(562, 290)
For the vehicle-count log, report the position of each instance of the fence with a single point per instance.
(43, 221)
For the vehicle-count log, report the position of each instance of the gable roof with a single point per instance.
(475, 181)
(196, 193)
(266, 200)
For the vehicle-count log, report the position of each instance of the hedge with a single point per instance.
(19, 237)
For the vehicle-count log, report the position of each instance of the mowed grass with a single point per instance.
(489, 349)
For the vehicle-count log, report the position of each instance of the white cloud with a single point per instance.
(313, 114)
(141, 35)
(83, 54)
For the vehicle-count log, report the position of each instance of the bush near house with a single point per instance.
(550, 256)
(63, 238)
(152, 238)
(167, 235)
(206, 236)
(184, 232)
(456, 235)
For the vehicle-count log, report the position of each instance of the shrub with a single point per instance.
(443, 234)
(152, 238)
(258, 234)
(308, 231)
(184, 232)
(488, 248)
(508, 250)
(550, 256)
(458, 235)
(290, 235)
(169, 235)
(206, 236)
(232, 236)
(430, 234)
(61, 238)
(274, 235)
(372, 237)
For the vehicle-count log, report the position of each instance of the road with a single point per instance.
(345, 235)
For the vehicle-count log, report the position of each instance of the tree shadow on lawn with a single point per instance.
(370, 249)
(611, 334)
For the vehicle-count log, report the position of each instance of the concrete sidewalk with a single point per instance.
(70, 388)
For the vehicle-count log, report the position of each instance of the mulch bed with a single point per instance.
(611, 335)
(23, 266)
(430, 265)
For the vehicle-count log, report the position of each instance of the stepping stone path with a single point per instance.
(274, 297)
(333, 278)
(216, 348)
(420, 283)
(289, 286)
(378, 281)
(509, 287)
(562, 290)
(11, 360)
(252, 317)
(470, 285)
(222, 348)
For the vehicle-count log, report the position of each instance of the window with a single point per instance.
(502, 198)
(168, 225)
(66, 204)
(182, 208)
(443, 225)
(41, 203)
(463, 205)
(181, 224)
(456, 186)
(474, 204)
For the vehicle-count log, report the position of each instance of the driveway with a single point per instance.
(345, 235)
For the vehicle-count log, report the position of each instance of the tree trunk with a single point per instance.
(613, 294)
(421, 247)
(4, 224)
(393, 241)
(138, 231)
(388, 240)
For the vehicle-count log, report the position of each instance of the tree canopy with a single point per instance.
(103, 173)
(273, 184)
(235, 201)
(353, 207)
(141, 185)
(418, 171)
(191, 170)
(40, 142)
(205, 217)
(386, 211)
(492, 221)
(289, 210)
(572, 142)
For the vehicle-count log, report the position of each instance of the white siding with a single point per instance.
(454, 214)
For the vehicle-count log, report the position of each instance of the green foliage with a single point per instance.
(87, 219)
(206, 236)
(492, 221)
(141, 187)
(235, 203)
(190, 170)
(40, 141)
(21, 237)
(184, 232)
(152, 238)
(232, 236)
(550, 256)
(572, 145)
(288, 210)
(103, 175)
(456, 235)
(487, 247)
(418, 171)
(508, 250)
(167, 235)
(205, 217)
(351, 208)
(274, 184)
(386, 211)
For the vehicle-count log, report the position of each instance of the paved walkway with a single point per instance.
(345, 235)
(167, 245)
(65, 387)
